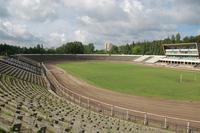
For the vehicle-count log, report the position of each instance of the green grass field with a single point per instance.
(138, 79)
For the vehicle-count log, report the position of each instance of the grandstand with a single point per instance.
(184, 53)
(28, 104)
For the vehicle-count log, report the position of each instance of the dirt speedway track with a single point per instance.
(172, 108)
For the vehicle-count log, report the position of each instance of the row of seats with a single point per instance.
(26, 107)
(26, 60)
(21, 74)
(22, 65)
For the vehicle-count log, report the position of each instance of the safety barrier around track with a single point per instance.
(148, 119)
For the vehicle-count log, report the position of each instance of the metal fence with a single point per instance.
(145, 118)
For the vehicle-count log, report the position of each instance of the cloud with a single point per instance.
(56, 39)
(186, 11)
(140, 20)
(54, 22)
(33, 10)
(79, 35)
(101, 10)
(3, 10)
(17, 34)
(132, 6)
(138, 25)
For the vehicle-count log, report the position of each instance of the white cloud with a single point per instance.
(16, 33)
(90, 4)
(56, 39)
(58, 21)
(3, 9)
(14, 30)
(132, 6)
(79, 36)
(101, 10)
(36, 10)
(86, 19)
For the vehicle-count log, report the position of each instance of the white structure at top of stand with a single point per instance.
(182, 53)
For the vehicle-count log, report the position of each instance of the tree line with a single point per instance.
(143, 48)
(68, 48)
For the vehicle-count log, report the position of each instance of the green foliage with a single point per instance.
(173, 40)
(138, 79)
(101, 51)
(125, 49)
(6, 49)
(89, 49)
(51, 51)
(178, 38)
(60, 50)
(72, 48)
(68, 48)
(114, 50)
(137, 50)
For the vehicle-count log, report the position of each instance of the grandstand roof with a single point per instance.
(180, 44)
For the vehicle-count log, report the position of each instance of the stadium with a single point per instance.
(95, 93)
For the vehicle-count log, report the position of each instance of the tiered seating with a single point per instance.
(22, 74)
(20, 64)
(197, 66)
(26, 60)
(154, 59)
(142, 58)
(26, 107)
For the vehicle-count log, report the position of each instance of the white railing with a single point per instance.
(196, 50)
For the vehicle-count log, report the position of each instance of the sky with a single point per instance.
(54, 22)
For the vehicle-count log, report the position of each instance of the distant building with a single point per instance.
(183, 53)
(108, 46)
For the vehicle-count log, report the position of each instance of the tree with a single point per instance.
(74, 48)
(186, 39)
(102, 51)
(137, 49)
(114, 50)
(132, 46)
(60, 50)
(89, 49)
(125, 49)
(197, 39)
(178, 38)
(51, 51)
(173, 40)
(167, 41)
